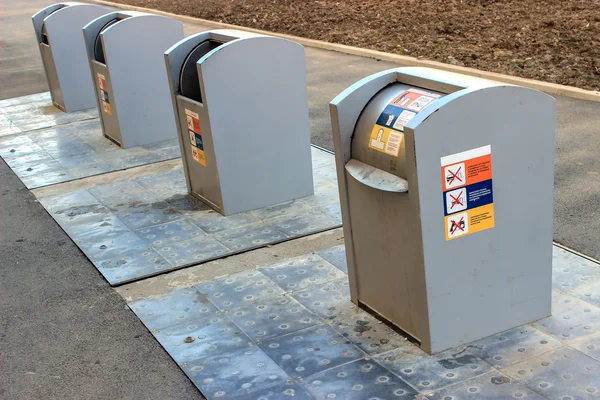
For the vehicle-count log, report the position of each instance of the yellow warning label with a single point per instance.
(470, 221)
(198, 155)
(385, 140)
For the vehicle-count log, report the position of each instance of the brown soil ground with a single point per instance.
(553, 40)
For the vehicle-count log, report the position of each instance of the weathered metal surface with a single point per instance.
(490, 386)
(32, 112)
(74, 151)
(289, 328)
(308, 351)
(336, 255)
(376, 178)
(359, 380)
(513, 346)
(139, 227)
(431, 372)
(564, 374)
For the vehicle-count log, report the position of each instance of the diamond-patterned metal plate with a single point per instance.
(74, 151)
(320, 348)
(152, 225)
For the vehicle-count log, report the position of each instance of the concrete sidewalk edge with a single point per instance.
(405, 61)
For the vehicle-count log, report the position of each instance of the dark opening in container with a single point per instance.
(189, 83)
(98, 48)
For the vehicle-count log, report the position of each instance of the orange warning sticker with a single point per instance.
(467, 192)
(474, 166)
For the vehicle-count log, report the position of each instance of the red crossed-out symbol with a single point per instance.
(456, 200)
(457, 225)
(454, 175)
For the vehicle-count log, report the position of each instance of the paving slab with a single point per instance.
(71, 151)
(298, 313)
(147, 225)
(36, 111)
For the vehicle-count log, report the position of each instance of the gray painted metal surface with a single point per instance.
(246, 144)
(58, 32)
(131, 87)
(32, 112)
(74, 151)
(139, 227)
(290, 328)
(446, 278)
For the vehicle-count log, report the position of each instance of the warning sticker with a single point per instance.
(385, 140)
(387, 132)
(403, 119)
(103, 93)
(197, 146)
(414, 99)
(467, 192)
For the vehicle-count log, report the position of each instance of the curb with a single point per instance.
(405, 61)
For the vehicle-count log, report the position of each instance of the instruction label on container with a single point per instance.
(385, 140)
(193, 126)
(387, 134)
(414, 99)
(103, 93)
(467, 192)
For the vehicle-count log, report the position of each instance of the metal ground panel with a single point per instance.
(290, 328)
(143, 226)
(32, 112)
(490, 386)
(74, 151)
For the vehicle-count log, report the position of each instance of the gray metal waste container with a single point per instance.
(58, 33)
(242, 113)
(446, 189)
(125, 52)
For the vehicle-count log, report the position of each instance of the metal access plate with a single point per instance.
(74, 151)
(143, 226)
(28, 113)
(289, 328)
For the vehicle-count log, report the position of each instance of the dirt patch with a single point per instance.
(555, 40)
